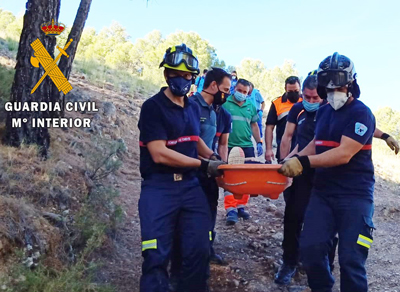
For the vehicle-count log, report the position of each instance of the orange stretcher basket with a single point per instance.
(253, 179)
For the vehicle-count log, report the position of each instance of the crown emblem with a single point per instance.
(52, 28)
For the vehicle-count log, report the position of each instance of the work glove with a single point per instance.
(391, 142)
(294, 166)
(210, 167)
(260, 149)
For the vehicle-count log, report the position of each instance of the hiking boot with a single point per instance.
(243, 214)
(285, 274)
(216, 259)
(232, 217)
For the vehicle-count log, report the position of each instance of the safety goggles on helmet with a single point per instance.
(180, 58)
(333, 78)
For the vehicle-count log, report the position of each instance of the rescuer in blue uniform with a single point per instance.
(342, 195)
(215, 126)
(301, 122)
(171, 198)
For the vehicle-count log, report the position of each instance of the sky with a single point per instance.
(305, 31)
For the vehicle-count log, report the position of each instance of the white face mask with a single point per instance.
(337, 99)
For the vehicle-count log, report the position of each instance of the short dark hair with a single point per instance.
(205, 71)
(233, 72)
(244, 82)
(310, 82)
(217, 75)
(292, 80)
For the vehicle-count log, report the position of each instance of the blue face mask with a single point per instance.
(310, 107)
(239, 96)
(179, 86)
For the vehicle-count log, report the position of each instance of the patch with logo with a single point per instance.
(360, 129)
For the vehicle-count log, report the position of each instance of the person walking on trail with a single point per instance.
(215, 125)
(244, 126)
(342, 195)
(199, 83)
(256, 98)
(277, 116)
(171, 198)
(234, 80)
(301, 120)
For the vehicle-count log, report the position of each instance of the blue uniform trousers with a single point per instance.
(211, 190)
(167, 207)
(351, 217)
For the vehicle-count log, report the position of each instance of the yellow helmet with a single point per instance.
(181, 58)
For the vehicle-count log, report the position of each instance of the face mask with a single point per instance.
(292, 96)
(179, 86)
(219, 97)
(239, 96)
(233, 77)
(310, 107)
(337, 99)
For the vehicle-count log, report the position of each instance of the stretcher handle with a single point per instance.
(275, 183)
(237, 184)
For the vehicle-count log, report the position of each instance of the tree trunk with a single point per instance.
(26, 75)
(65, 64)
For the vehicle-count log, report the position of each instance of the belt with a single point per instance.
(171, 176)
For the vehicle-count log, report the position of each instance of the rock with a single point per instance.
(252, 229)
(109, 109)
(271, 208)
(278, 236)
(236, 283)
(76, 95)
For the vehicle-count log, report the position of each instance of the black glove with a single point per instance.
(211, 167)
(215, 157)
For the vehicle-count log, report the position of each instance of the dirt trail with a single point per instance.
(253, 248)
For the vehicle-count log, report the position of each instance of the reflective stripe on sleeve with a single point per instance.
(210, 235)
(364, 241)
(149, 244)
(282, 115)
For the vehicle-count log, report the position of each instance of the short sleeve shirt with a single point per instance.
(356, 122)
(242, 118)
(208, 120)
(161, 119)
(280, 123)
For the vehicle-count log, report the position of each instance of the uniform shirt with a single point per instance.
(224, 125)
(242, 117)
(277, 116)
(305, 124)
(161, 119)
(355, 178)
(208, 120)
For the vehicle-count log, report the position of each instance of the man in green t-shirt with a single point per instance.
(244, 125)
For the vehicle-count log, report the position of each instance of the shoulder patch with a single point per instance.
(360, 129)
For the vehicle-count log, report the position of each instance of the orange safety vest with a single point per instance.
(283, 108)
